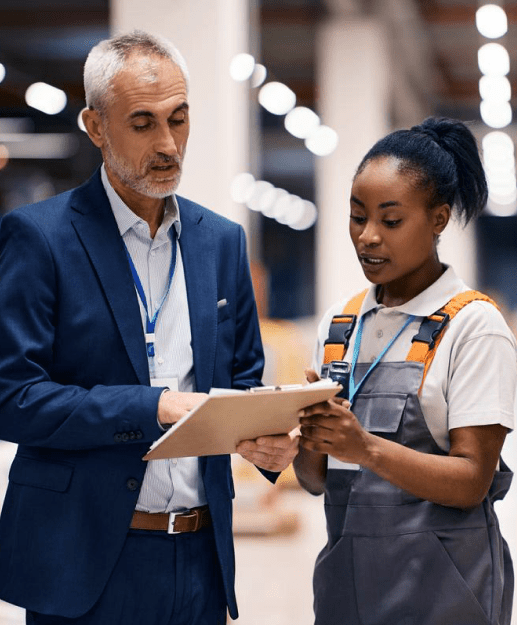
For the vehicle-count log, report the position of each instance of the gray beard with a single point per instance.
(136, 181)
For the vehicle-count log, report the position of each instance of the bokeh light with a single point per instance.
(495, 88)
(491, 21)
(259, 75)
(46, 98)
(277, 98)
(242, 66)
(301, 122)
(323, 141)
(496, 114)
(493, 60)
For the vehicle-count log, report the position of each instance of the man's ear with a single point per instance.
(441, 217)
(93, 123)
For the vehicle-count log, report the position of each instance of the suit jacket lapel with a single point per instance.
(97, 229)
(198, 254)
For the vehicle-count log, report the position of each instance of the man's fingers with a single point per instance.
(277, 441)
(269, 448)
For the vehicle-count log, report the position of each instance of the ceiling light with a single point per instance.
(242, 188)
(491, 21)
(497, 209)
(294, 211)
(267, 200)
(41, 145)
(495, 88)
(498, 142)
(504, 199)
(301, 122)
(307, 219)
(278, 206)
(260, 188)
(323, 141)
(493, 59)
(502, 187)
(259, 75)
(281, 206)
(496, 114)
(46, 98)
(242, 66)
(2, 72)
(494, 166)
(277, 98)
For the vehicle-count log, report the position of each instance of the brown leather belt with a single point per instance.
(173, 522)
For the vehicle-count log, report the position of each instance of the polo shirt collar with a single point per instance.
(127, 219)
(426, 303)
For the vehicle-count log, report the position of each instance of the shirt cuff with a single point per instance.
(163, 426)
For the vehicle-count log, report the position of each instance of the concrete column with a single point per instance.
(357, 78)
(353, 85)
(208, 34)
(457, 247)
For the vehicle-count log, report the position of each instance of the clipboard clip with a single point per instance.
(284, 387)
(261, 389)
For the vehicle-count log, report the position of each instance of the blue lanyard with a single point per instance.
(150, 323)
(354, 388)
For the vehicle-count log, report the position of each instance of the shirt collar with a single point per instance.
(426, 303)
(127, 219)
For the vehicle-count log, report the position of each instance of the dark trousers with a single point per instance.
(159, 579)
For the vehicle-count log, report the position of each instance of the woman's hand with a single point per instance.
(331, 428)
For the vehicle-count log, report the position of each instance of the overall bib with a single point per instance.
(394, 559)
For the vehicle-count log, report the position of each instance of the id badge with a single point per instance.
(333, 463)
(172, 383)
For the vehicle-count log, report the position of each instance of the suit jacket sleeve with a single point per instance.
(34, 408)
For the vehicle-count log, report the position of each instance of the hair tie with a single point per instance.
(429, 132)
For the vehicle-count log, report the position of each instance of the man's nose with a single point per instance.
(165, 142)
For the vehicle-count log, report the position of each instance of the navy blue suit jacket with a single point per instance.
(75, 394)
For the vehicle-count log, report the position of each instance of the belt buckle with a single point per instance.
(172, 519)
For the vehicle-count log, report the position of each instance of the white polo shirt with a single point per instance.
(473, 377)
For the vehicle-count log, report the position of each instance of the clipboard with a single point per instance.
(223, 420)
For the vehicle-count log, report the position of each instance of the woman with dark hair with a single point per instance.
(410, 461)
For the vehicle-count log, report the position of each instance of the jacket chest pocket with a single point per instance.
(380, 412)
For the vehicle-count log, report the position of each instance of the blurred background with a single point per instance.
(286, 97)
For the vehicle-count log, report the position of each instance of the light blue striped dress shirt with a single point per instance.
(175, 484)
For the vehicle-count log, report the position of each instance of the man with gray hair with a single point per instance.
(122, 305)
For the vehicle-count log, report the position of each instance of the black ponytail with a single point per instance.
(442, 157)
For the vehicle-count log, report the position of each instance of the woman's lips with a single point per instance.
(372, 262)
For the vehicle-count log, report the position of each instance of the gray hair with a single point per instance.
(109, 57)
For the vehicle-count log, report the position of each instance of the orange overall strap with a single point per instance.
(341, 329)
(426, 341)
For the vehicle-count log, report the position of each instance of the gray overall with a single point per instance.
(394, 559)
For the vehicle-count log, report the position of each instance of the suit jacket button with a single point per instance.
(125, 437)
(132, 484)
(117, 438)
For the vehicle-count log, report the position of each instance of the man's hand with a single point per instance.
(273, 453)
(174, 405)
